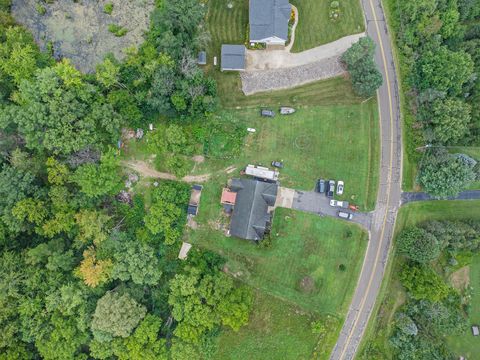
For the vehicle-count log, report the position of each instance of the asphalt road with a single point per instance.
(389, 193)
(421, 196)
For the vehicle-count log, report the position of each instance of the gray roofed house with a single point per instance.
(233, 57)
(269, 21)
(251, 216)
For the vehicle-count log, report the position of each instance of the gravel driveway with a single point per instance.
(279, 69)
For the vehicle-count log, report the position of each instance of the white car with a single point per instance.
(336, 203)
(340, 187)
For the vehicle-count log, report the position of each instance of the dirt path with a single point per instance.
(145, 170)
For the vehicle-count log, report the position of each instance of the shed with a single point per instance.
(269, 21)
(233, 58)
(182, 255)
(228, 197)
(475, 330)
(202, 58)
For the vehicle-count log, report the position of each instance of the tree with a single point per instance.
(366, 78)
(116, 315)
(161, 219)
(91, 226)
(57, 111)
(57, 172)
(422, 283)
(202, 301)
(450, 120)
(94, 272)
(135, 261)
(99, 180)
(444, 70)
(443, 175)
(107, 73)
(418, 245)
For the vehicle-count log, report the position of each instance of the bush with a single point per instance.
(418, 245)
(117, 30)
(108, 8)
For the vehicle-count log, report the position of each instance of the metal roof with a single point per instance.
(233, 57)
(250, 216)
(202, 58)
(269, 18)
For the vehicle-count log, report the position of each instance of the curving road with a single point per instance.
(389, 193)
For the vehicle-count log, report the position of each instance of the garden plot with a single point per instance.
(80, 30)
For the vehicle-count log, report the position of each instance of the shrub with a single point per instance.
(108, 8)
(117, 30)
(334, 4)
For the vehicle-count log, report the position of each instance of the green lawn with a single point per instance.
(229, 26)
(276, 330)
(339, 142)
(301, 265)
(375, 342)
(315, 27)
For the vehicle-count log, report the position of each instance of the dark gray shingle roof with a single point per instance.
(250, 214)
(233, 57)
(269, 18)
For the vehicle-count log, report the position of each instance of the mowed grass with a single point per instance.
(393, 295)
(316, 28)
(301, 267)
(276, 330)
(338, 142)
(229, 26)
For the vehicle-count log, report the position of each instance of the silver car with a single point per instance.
(345, 215)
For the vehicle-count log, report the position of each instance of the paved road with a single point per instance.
(319, 204)
(421, 196)
(388, 200)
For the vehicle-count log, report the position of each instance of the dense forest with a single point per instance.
(439, 43)
(85, 273)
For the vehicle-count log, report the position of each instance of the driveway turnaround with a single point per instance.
(388, 198)
(421, 196)
(319, 204)
(280, 69)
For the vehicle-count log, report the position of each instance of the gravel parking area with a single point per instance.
(276, 79)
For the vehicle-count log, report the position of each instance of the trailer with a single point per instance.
(262, 172)
(194, 200)
(285, 110)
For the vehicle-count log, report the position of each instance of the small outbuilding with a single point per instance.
(228, 197)
(202, 58)
(475, 330)
(182, 255)
(233, 58)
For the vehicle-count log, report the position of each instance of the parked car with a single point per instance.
(251, 130)
(340, 187)
(267, 113)
(331, 188)
(277, 164)
(285, 110)
(345, 215)
(337, 203)
(320, 187)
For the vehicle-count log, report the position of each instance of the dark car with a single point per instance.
(277, 164)
(267, 113)
(331, 188)
(320, 187)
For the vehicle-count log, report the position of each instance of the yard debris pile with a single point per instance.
(275, 79)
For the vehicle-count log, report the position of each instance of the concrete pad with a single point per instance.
(285, 197)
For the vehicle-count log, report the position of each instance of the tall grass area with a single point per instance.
(392, 296)
(316, 28)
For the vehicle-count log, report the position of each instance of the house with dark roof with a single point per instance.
(253, 210)
(269, 21)
(233, 58)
